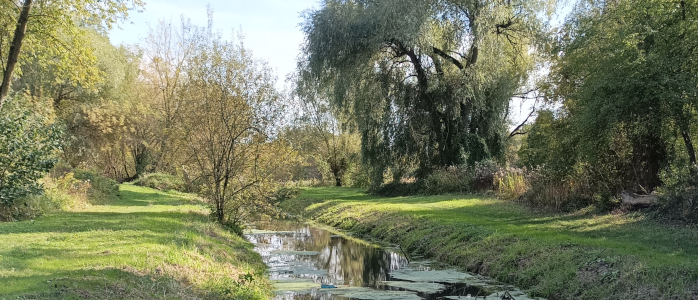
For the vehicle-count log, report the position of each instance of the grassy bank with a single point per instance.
(570, 256)
(146, 245)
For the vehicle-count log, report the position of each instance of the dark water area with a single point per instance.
(303, 258)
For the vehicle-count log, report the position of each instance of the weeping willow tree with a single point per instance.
(427, 83)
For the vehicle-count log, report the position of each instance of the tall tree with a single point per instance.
(57, 28)
(427, 81)
(628, 68)
(227, 122)
(334, 143)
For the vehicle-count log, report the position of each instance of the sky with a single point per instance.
(271, 27)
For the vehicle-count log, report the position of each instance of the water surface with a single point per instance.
(306, 262)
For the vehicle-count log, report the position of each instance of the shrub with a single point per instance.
(66, 191)
(449, 180)
(547, 190)
(285, 193)
(358, 176)
(510, 183)
(102, 189)
(26, 208)
(441, 181)
(395, 189)
(29, 147)
(484, 172)
(161, 181)
(679, 197)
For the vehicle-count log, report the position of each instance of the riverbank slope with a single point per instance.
(567, 256)
(147, 245)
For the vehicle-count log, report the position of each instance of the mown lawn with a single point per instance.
(147, 245)
(562, 256)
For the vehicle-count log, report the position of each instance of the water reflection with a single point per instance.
(302, 257)
(339, 261)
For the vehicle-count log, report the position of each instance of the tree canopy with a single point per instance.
(427, 83)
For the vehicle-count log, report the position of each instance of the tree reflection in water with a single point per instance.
(304, 257)
(339, 261)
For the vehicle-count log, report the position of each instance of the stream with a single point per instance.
(307, 262)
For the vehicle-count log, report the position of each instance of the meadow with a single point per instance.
(148, 244)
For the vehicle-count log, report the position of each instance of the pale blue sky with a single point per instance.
(270, 26)
(271, 29)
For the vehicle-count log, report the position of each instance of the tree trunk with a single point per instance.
(15, 48)
(649, 154)
(689, 146)
(338, 180)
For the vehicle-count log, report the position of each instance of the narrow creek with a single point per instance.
(307, 262)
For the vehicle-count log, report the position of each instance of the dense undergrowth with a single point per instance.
(64, 188)
(162, 181)
(563, 256)
(145, 245)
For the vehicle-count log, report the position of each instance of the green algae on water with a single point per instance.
(420, 287)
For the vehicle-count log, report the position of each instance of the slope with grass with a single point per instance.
(569, 256)
(147, 245)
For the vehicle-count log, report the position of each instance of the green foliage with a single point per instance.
(29, 145)
(679, 195)
(449, 180)
(66, 192)
(426, 83)
(27, 208)
(555, 256)
(626, 87)
(57, 40)
(64, 188)
(102, 189)
(550, 142)
(627, 82)
(161, 181)
(284, 193)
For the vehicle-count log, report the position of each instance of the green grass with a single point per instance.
(565, 256)
(146, 245)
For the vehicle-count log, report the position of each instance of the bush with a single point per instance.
(679, 197)
(547, 190)
(161, 181)
(483, 177)
(102, 189)
(510, 183)
(396, 189)
(64, 188)
(26, 208)
(28, 150)
(66, 191)
(449, 180)
(441, 181)
(29, 147)
(285, 193)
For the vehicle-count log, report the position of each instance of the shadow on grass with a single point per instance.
(72, 255)
(636, 236)
(155, 222)
(147, 198)
(107, 283)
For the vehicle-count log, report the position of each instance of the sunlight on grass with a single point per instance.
(634, 235)
(650, 244)
(146, 237)
(572, 254)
